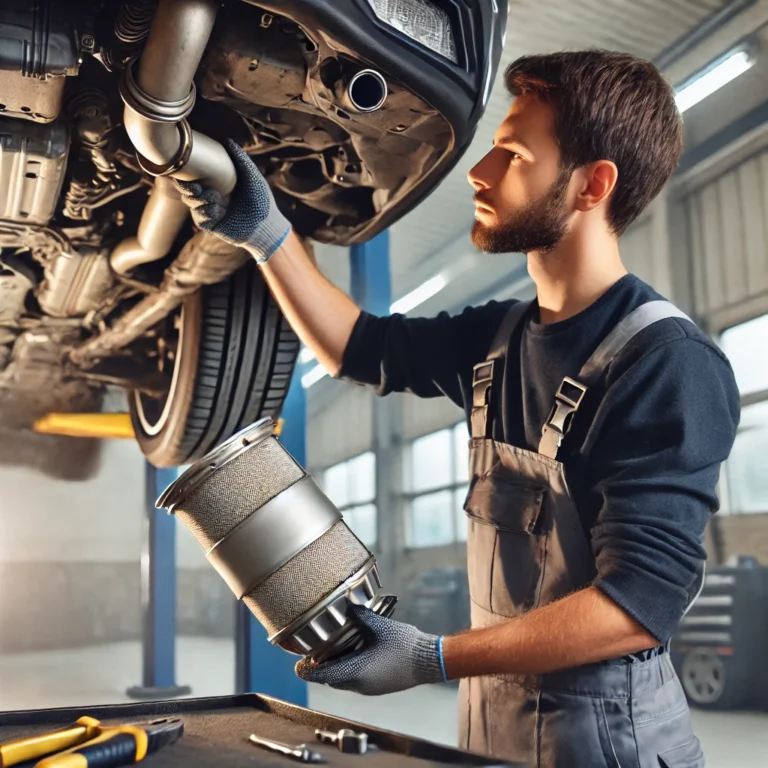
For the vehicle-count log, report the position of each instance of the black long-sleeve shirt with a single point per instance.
(643, 456)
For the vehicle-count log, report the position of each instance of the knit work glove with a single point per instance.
(249, 219)
(396, 657)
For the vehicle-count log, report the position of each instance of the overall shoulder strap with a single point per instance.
(571, 392)
(488, 372)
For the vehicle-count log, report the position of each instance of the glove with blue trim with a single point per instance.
(396, 657)
(249, 219)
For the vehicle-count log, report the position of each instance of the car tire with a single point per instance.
(233, 365)
(712, 681)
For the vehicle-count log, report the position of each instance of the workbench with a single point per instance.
(216, 732)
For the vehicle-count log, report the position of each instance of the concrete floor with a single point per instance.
(100, 675)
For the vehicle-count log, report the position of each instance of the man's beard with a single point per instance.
(539, 227)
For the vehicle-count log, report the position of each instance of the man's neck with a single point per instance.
(575, 275)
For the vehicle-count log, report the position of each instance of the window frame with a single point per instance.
(727, 506)
(350, 506)
(456, 487)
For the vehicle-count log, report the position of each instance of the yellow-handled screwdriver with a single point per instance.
(21, 750)
(118, 746)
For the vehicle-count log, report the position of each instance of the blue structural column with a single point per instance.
(371, 281)
(158, 594)
(260, 666)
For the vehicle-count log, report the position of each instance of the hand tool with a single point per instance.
(119, 745)
(346, 740)
(21, 750)
(302, 753)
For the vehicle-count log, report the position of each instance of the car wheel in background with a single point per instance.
(712, 681)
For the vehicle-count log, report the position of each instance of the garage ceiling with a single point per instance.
(641, 27)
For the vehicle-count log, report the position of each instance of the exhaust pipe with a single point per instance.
(163, 218)
(204, 260)
(366, 91)
(159, 94)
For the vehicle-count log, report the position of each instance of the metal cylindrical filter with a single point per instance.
(278, 541)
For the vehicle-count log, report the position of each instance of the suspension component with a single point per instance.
(96, 179)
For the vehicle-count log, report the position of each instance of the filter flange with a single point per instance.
(201, 470)
(326, 631)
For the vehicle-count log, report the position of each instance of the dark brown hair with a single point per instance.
(609, 106)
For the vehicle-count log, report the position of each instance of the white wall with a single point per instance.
(99, 520)
(43, 519)
(645, 248)
(342, 427)
(729, 241)
(420, 417)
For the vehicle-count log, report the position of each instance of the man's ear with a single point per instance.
(597, 183)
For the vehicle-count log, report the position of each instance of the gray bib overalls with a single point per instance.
(527, 548)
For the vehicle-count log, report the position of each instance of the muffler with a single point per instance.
(279, 543)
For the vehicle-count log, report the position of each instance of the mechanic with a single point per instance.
(585, 544)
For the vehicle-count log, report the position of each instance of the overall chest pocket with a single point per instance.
(507, 541)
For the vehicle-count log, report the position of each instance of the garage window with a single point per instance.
(351, 486)
(746, 471)
(436, 476)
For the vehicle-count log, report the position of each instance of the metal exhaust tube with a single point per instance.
(163, 218)
(159, 94)
(204, 260)
(366, 91)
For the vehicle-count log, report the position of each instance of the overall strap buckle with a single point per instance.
(569, 397)
(487, 375)
(571, 392)
(482, 384)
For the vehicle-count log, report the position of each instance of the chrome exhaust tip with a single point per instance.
(367, 91)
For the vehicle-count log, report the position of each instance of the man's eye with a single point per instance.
(514, 156)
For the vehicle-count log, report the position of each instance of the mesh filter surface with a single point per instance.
(236, 490)
(307, 578)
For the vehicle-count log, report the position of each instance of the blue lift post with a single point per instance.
(158, 595)
(260, 666)
(371, 280)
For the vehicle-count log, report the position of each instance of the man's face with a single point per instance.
(520, 188)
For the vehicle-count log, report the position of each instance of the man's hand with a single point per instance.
(396, 657)
(249, 219)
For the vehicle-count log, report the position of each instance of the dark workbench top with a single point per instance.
(216, 732)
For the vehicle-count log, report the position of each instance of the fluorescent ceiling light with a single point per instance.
(313, 376)
(713, 79)
(306, 355)
(419, 295)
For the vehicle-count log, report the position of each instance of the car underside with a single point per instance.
(353, 110)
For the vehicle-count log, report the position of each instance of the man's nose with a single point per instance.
(481, 176)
